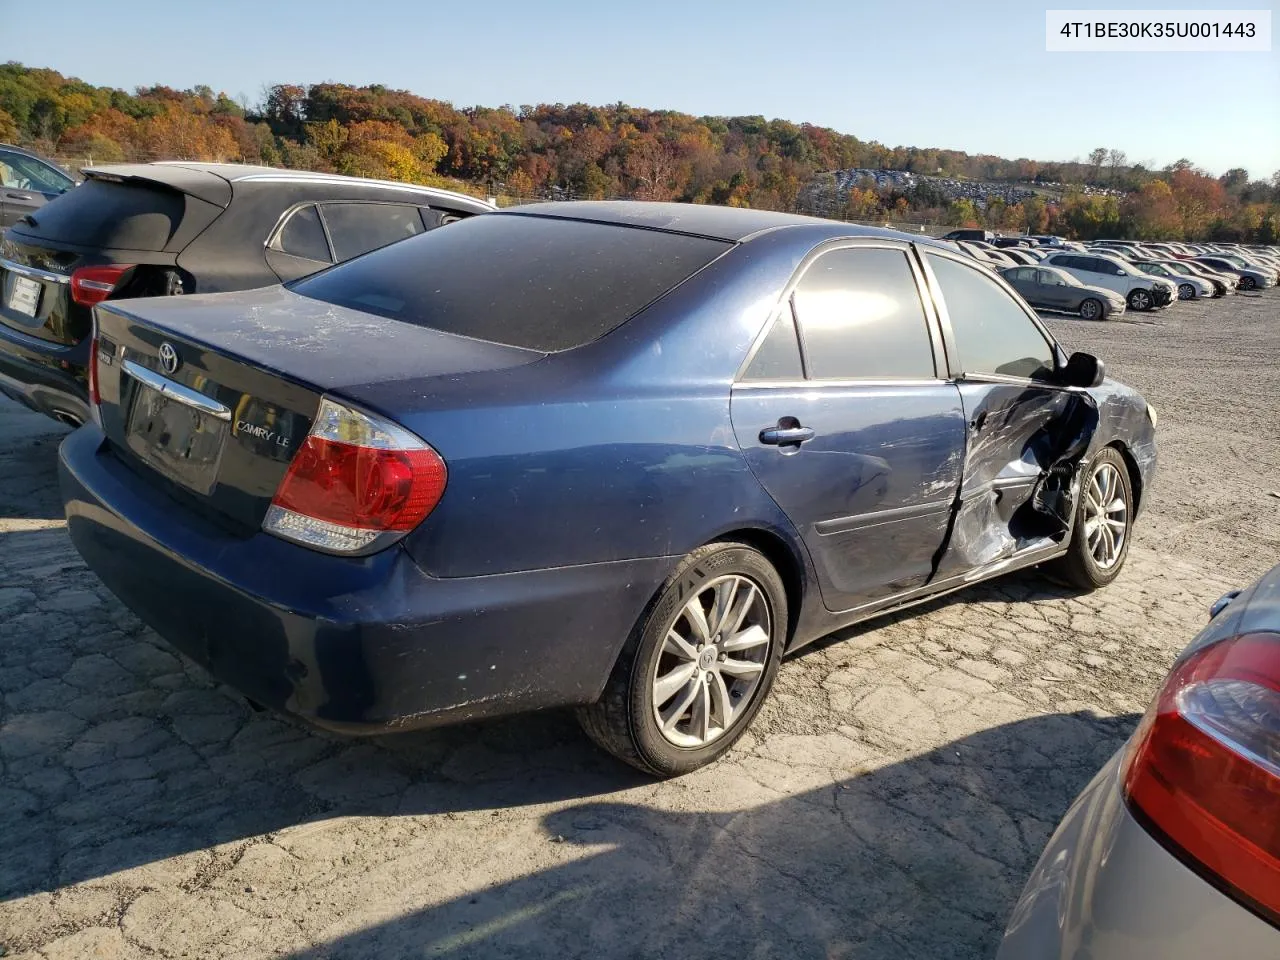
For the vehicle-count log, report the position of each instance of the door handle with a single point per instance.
(782, 436)
(17, 196)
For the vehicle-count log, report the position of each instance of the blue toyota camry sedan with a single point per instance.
(618, 456)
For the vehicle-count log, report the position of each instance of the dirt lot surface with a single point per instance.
(889, 803)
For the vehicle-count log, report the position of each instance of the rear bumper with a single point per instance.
(1105, 889)
(47, 377)
(353, 645)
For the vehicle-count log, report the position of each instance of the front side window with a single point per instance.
(357, 228)
(24, 173)
(861, 317)
(992, 333)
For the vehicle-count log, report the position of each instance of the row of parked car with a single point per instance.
(612, 456)
(1102, 279)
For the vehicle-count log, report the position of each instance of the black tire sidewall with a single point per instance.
(1189, 296)
(1080, 541)
(659, 754)
(1098, 315)
(1135, 304)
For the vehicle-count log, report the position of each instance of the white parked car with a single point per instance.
(1190, 287)
(1140, 290)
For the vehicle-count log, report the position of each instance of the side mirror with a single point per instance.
(1083, 370)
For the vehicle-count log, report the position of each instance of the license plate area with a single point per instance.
(178, 440)
(24, 295)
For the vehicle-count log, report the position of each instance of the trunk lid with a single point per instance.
(209, 397)
(35, 294)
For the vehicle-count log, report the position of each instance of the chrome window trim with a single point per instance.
(850, 382)
(35, 273)
(336, 178)
(176, 391)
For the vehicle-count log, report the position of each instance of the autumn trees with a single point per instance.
(616, 150)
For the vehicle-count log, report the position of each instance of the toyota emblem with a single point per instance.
(168, 358)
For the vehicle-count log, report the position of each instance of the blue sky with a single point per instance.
(967, 75)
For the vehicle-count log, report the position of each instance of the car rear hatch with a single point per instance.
(209, 397)
(131, 214)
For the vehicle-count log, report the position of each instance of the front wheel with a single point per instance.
(1100, 534)
(698, 665)
(1186, 291)
(1247, 283)
(1091, 309)
(1140, 299)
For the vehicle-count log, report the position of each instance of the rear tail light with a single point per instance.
(357, 483)
(1204, 769)
(90, 285)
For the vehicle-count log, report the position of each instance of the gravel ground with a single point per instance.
(889, 802)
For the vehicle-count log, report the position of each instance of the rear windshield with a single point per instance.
(124, 216)
(533, 282)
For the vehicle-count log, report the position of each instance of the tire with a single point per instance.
(1086, 565)
(1186, 291)
(1091, 309)
(625, 720)
(1140, 299)
(1247, 283)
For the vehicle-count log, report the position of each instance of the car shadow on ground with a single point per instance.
(921, 858)
(1023, 586)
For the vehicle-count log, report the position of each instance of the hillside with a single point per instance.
(622, 151)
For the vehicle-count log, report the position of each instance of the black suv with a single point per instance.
(982, 236)
(159, 229)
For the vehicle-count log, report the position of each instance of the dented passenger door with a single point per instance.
(1026, 431)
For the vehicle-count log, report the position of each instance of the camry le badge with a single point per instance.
(168, 358)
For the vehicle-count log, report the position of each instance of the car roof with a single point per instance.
(212, 182)
(735, 224)
(26, 153)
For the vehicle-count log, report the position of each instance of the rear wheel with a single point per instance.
(1100, 536)
(1091, 309)
(1140, 299)
(1186, 291)
(698, 665)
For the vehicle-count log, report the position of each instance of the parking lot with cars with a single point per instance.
(889, 800)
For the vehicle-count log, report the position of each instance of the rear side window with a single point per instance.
(536, 282)
(861, 317)
(123, 216)
(303, 236)
(779, 355)
(992, 333)
(357, 228)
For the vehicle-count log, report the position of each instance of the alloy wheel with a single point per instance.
(1186, 292)
(712, 661)
(1140, 300)
(1089, 310)
(1106, 517)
